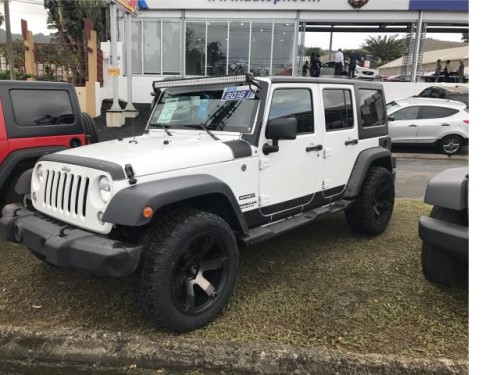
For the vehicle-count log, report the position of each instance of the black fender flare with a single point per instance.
(23, 184)
(14, 158)
(378, 156)
(126, 207)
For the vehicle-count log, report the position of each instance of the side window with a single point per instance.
(293, 103)
(428, 112)
(338, 109)
(372, 107)
(408, 113)
(42, 107)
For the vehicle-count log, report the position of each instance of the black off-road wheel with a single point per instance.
(188, 270)
(451, 144)
(438, 265)
(371, 212)
(90, 128)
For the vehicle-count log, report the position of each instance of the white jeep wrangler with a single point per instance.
(224, 160)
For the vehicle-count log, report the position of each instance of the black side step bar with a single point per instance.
(275, 229)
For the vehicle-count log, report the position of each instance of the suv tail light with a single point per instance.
(467, 122)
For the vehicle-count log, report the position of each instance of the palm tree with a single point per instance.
(384, 49)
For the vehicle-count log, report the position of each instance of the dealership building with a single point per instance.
(265, 37)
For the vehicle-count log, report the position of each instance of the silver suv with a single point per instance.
(429, 122)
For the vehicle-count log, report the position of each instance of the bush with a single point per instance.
(20, 76)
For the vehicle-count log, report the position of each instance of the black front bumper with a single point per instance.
(69, 247)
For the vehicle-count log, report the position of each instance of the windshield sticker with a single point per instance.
(167, 111)
(237, 93)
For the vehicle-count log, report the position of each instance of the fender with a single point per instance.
(379, 156)
(449, 189)
(127, 205)
(14, 158)
(23, 184)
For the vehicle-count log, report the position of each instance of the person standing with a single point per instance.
(305, 69)
(315, 67)
(461, 72)
(352, 65)
(318, 61)
(446, 71)
(339, 62)
(437, 73)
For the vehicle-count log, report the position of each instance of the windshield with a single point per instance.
(219, 108)
(393, 106)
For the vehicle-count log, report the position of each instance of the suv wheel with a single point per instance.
(188, 270)
(451, 144)
(438, 265)
(372, 210)
(90, 128)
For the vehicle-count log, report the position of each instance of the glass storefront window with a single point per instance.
(217, 48)
(239, 42)
(171, 47)
(195, 48)
(260, 56)
(152, 47)
(136, 47)
(284, 32)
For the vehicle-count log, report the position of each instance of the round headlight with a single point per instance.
(38, 177)
(104, 187)
(39, 172)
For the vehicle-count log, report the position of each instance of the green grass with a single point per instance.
(319, 286)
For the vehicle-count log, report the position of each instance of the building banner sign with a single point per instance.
(313, 5)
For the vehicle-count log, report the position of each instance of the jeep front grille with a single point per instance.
(66, 192)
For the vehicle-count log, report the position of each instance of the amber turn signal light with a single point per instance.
(147, 212)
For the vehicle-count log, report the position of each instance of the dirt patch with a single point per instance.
(318, 287)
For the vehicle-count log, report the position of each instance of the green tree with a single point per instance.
(1, 19)
(383, 49)
(66, 17)
(316, 50)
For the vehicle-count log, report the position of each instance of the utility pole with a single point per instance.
(10, 53)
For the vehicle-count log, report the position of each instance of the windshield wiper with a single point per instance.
(202, 126)
(164, 127)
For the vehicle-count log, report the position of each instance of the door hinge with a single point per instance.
(264, 163)
(326, 184)
(327, 153)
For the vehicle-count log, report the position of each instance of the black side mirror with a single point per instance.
(280, 128)
(391, 118)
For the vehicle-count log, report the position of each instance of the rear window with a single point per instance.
(372, 107)
(428, 112)
(42, 107)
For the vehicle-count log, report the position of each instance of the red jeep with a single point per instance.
(37, 118)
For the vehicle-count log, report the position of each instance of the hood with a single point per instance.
(156, 152)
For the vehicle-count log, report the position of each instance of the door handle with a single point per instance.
(412, 126)
(351, 142)
(445, 124)
(314, 148)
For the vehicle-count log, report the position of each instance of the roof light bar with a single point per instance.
(242, 78)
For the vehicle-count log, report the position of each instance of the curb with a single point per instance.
(119, 350)
(401, 155)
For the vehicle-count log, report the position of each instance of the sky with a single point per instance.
(36, 15)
